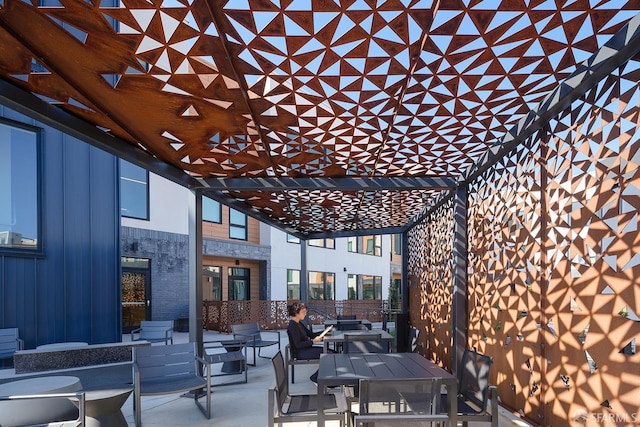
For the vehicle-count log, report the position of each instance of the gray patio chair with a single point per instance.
(364, 343)
(350, 325)
(414, 345)
(169, 369)
(406, 402)
(292, 359)
(346, 317)
(474, 390)
(10, 342)
(154, 331)
(252, 333)
(286, 408)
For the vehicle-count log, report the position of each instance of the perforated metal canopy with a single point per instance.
(315, 116)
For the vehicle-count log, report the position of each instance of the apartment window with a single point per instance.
(352, 286)
(352, 244)
(239, 284)
(323, 243)
(397, 244)
(364, 287)
(372, 245)
(293, 284)
(292, 239)
(211, 210)
(371, 287)
(212, 283)
(321, 286)
(20, 202)
(134, 191)
(237, 225)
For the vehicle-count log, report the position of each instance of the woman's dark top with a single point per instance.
(301, 339)
(299, 336)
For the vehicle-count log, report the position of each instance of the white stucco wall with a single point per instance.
(168, 207)
(286, 255)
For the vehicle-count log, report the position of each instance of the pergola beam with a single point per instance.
(337, 184)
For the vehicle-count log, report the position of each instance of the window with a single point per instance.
(323, 243)
(364, 287)
(321, 285)
(292, 239)
(19, 188)
(397, 244)
(293, 284)
(371, 287)
(372, 245)
(212, 283)
(211, 210)
(239, 284)
(352, 244)
(134, 191)
(352, 286)
(237, 225)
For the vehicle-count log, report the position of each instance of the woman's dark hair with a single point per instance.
(294, 308)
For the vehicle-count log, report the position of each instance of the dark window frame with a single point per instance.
(147, 216)
(213, 221)
(324, 243)
(293, 284)
(231, 276)
(38, 249)
(325, 288)
(238, 226)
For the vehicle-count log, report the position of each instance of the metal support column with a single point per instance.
(459, 311)
(195, 270)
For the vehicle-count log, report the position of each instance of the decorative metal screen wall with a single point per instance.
(552, 286)
(593, 254)
(430, 272)
(504, 290)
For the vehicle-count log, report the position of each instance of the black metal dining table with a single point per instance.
(348, 369)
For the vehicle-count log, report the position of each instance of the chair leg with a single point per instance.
(137, 409)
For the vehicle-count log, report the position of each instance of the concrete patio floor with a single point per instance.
(236, 405)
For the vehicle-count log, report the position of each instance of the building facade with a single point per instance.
(243, 259)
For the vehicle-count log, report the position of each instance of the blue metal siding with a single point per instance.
(72, 293)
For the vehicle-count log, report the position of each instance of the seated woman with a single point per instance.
(301, 338)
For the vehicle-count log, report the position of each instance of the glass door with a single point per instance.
(238, 284)
(136, 293)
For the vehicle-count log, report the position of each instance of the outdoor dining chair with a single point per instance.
(474, 390)
(10, 342)
(406, 402)
(286, 408)
(292, 359)
(154, 331)
(170, 369)
(252, 333)
(364, 343)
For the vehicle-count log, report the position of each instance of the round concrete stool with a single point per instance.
(103, 407)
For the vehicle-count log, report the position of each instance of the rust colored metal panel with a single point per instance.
(593, 296)
(553, 295)
(430, 283)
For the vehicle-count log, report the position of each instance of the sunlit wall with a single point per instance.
(554, 257)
